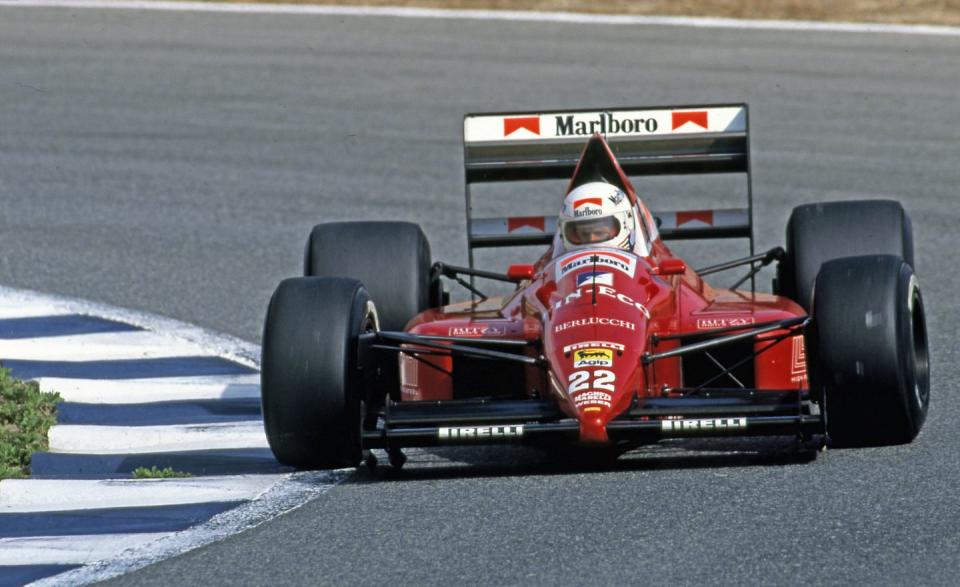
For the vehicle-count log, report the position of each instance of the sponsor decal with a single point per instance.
(707, 425)
(480, 433)
(593, 398)
(713, 323)
(477, 331)
(593, 344)
(616, 197)
(580, 212)
(604, 291)
(536, 222)
(594, 321)
(531, 126)
(587, 201)
(620, 261)
(592, 357)
(698, 118)
(704, 216)
(798, 363)
(604, 123)
(584, 380)
(622, 298)
(529, 123)
(587, 212)
(595, 278)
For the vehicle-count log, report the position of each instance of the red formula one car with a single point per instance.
(598, 347)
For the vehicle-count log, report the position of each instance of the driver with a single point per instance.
(598, 214)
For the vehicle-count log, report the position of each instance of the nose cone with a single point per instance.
(593, 429)
(595, 334)
(593, 387)
(602, 371)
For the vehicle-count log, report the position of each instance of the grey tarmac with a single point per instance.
(175, 162)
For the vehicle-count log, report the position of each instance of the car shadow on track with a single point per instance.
(505, 461)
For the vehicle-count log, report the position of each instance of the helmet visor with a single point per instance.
(591, 230)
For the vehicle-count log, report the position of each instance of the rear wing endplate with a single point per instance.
(519, 146)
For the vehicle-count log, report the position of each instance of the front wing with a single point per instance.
(734, 412)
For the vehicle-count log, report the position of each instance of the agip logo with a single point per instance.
(592, 357)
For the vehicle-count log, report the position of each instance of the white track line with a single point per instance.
(222, 345)
(54, 495)
(291, 493)
(98, 347)
(83, 439)
(494, 15)
(265, 496)
(30, 310)
(137, 391)
(70, 550)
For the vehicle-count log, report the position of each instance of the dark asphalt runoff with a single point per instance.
(175, 162)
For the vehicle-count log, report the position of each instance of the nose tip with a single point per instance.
(593, 430)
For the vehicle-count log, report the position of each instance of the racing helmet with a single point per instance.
(597, 214)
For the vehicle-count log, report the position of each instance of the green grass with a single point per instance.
(155, 473)
(26, 414)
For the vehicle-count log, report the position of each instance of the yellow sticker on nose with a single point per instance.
(592, 357)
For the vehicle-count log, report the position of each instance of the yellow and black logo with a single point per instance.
(592, 358)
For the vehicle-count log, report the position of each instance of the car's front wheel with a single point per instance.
(868, 344)
(311, 383)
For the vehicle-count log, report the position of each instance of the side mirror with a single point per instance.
(519, 273)
(671, 266)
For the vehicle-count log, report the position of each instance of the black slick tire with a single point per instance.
(392, 259)
(817, 233)
(311, 385)
(867, 351)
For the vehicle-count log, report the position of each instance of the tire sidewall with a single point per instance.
(915, 376)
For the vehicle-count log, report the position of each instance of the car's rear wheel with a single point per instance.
(392, 259)
(311, 384)
(817, 233)
(867, 351)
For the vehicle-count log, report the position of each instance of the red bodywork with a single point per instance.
(593, 334)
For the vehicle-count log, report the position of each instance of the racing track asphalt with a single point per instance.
(175, 162)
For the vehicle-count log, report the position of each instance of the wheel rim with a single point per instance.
(921, 357)
(371, 323)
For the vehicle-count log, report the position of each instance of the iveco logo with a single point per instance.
(480, 433)
(709, 425)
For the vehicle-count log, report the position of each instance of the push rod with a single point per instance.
(765, 259)
(404, 338)
(723, 340)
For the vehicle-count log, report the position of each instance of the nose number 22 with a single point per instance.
(602, 379)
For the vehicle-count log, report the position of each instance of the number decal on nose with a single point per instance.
(602, 379)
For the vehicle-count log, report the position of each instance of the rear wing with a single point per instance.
(513, 231)
(516, 146)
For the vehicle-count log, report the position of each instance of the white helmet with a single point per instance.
(597, 214)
